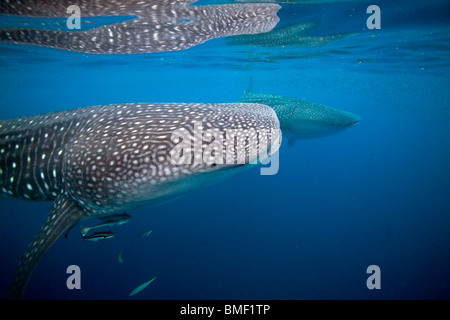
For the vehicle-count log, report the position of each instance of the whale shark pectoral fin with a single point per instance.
(64, 213)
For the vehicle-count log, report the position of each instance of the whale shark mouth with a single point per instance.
(351, 119)
(355, 122)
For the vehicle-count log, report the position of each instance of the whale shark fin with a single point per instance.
(250, 86)
(63, 214)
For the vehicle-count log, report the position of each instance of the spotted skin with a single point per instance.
(155, 25)
(101, 160)
(303, 119)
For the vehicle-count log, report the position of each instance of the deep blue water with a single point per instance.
(375, 194)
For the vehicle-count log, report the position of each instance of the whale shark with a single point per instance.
(296, 35)
(103, 160)
(301, 118)
(153, 25)
(301, 1)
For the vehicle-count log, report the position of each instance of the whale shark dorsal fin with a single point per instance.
(63, 214)
(250, 86)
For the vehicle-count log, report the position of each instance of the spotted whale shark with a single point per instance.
(103, 160)
(303, 119)
(154, 25)
(291, 35)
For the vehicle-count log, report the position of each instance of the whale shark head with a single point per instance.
(308, 119)
(251, 19)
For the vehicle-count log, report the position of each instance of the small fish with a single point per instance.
(146, 233)
(119, 218)
(110, 221)
(141, 287)
(99, 236)
(121, 256)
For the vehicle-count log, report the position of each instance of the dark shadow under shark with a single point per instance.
(155, 25)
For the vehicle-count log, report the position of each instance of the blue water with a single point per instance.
(375, 194)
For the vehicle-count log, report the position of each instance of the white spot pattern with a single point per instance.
(110, 165)
(161, 25)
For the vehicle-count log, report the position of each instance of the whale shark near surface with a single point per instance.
(291, 35)
(303, 119)
(154, 25)
(103, 160)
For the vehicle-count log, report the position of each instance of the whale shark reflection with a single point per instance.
(156, 25)
(297, 35)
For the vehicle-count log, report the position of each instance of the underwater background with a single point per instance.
(377, 193)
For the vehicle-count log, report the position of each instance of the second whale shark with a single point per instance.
(303, 119)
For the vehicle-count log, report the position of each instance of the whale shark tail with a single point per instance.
(63, 214)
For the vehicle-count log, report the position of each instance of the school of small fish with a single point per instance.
(110, 221)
